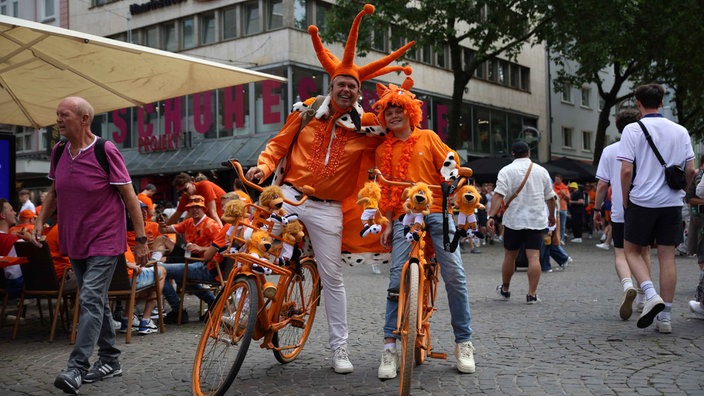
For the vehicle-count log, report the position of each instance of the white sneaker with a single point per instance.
(696, 308)
(389, 364)
(341, 361)
(116, 324)
(464, 353)
(604, 246)
(640, 301)
(576, 240)
(663, 326)
(651, 308)
(375, 269)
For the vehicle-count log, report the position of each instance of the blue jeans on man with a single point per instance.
(196, 271)
(451, 269)
(556, 252)
(93, 276)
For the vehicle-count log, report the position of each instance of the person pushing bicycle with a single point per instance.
(412, 154)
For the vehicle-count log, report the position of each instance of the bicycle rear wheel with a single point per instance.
(409, 322)
(226, 338)
(298, 307)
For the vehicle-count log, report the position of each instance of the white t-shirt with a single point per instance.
(609, 171)
(672, 140)
(527, 210)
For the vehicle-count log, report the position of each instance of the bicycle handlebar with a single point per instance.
(305, 190)
(375, 173)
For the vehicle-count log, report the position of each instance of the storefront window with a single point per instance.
(307, 83)
(234, 116)
(482, 125)
(270, 102)
(499, 139)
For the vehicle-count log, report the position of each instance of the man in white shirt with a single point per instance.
(653, 210)
(26, 202)
(524, 219)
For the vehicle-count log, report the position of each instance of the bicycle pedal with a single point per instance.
(438, 355)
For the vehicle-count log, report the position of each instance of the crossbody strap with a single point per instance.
(523, 183)
(650, 142)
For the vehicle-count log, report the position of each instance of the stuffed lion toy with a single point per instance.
(272, 199)
(372, 219)
(292, 234)
(258, 246)
(467, 202)
(418, 200)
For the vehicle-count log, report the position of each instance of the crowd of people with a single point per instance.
(82, 216)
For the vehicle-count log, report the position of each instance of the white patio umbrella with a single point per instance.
(42, 64)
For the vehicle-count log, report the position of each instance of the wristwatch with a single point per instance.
(142, 239)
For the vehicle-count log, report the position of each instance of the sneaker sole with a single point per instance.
(65, 386)
(148, 331)
(386, 376)
(626, 309)
(647, 319)
(116, 373)
(663, 329)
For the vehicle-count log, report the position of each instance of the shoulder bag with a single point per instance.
(674, 175)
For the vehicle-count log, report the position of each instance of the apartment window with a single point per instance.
(321, 14)
(586, 93)
(441, 58)
(188, 33)
(566, 137)
(567, 93)
(207, 28)
(275, 14)
(229, 23)
(503, 73)
(47, 9)
(525, 78)
(251, 18)
(515, 76)
(3, 8)
(300, 14)
(169, 38)
(480, 72)
(491, 70)
(427, 55)
(586, 141)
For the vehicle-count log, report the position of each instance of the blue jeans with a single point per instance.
(451, 269)
(563, 224)
(196, 271)
(554, 251)
(93, 276)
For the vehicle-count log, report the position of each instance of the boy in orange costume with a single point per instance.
(417, 155)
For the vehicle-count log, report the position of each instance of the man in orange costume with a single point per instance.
(326, 152)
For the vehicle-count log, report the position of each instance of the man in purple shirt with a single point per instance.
(92, 232)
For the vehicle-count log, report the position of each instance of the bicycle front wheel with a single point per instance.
(226, 338)
(298, 307)
(409, 322)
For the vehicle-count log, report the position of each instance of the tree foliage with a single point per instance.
(490, 28)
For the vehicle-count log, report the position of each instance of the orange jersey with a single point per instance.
(326, 164)
(61, 261)
(202, 234)
(151, 230)
(427, 158)
(209, 191)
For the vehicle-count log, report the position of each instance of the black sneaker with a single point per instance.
(102, 370)
(172, 317)
(69, 380)
(532, 299)
(503, 294)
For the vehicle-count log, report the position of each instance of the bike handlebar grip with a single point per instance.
(307, 190)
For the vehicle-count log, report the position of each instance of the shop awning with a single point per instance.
(206, 154)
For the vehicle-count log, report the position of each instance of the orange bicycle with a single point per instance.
(251, 306)
(417, 293)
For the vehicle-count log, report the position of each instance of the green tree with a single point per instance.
(489, 28)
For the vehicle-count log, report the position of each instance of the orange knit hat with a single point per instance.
(399, 96)
(335, 67)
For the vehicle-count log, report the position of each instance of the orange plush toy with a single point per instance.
(258, 246)
(467, 202)
(372, 219)
(272, 199)
(418, 198)
(291, 235)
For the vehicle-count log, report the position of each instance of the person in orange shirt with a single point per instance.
(151, 228)
(326, 154)
(563, 193)
(412, 154)
(146, 198)
(145, 277)
(61, 261)
(198, 232)
(25, 225)
(209, 191)
(239, 189)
